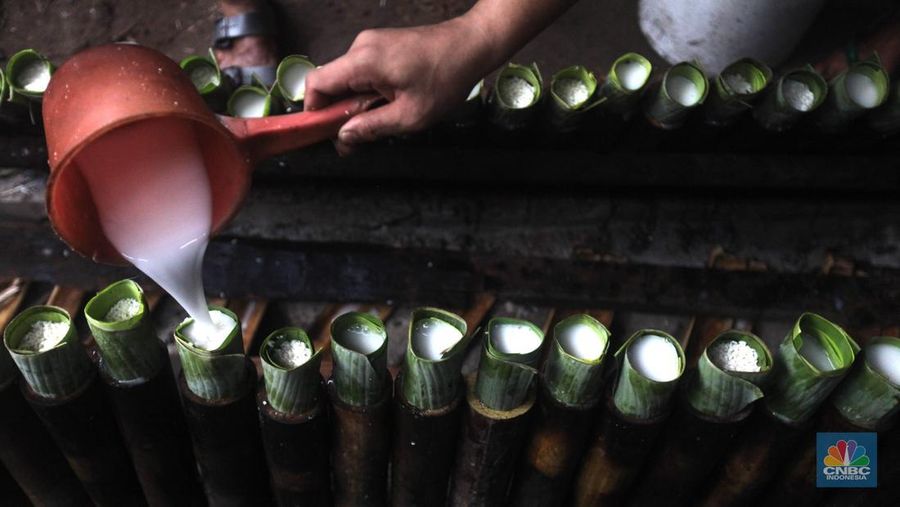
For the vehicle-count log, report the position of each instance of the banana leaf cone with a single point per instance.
(735, 90)
(214, 86)
(813, 359)
(713, 404)
(293, 418)
(137, 376)
(39, 474)
(868, 400)
(60, 384)
(500, 398)
(28, 74)
(513, 102)
(792, 97)
(360, 394)
(570, 390)
(18, 115)
(290, 81)
(667, 107)
(218, 390)
(427, 408)
(619, 97)
(626, 430)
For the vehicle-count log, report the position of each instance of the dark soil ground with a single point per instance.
(592, 33)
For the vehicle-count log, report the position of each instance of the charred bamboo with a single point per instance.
(488, 449)
(297, 451)
(85, 430)
(226, 438)
(153, 427)
(360, 450)
(29, 454)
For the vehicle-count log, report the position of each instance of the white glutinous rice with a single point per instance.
(43, 335)
(516, 92)
(885, 359)
(249, 105)
(294, 80)
(210, 338)
(738, 84)
(798, 95)
(360, 338)
(655, 357)
(573, 91)
(814, 352)
(632, 75)
(734, 355)
(34, 77)
(515, 338)
(861, 89)
(581, 341)
(433, 338)
(290, 353)
(682, 90)
(124, 309)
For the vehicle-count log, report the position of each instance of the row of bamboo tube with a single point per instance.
(542, 453)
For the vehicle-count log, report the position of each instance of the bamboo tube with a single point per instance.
(293, 419)
(517, 91)
(735, 89)
(682, 88)
(28, 74)
(27, 450)
(500, 398)
(624, 84)
(862, 87)
(360, 394)
(290, 79)
(427, 408)
(218, 390)
(213, 86)
(793, 96)
(137, 375)
(633, 416)
(813, 358)
(569, 392)
(867, 400)
(61, 387)
(572, 92)
(715, 402)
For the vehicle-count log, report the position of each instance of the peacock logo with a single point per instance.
(846, 453)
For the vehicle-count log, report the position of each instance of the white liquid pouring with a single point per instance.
(152, 195)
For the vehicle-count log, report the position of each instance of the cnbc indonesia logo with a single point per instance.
(846, 462)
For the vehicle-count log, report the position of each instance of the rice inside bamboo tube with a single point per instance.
(572, 92)
(60, 385)
(683, 88)
(624, 84)
(650, 364)
(735, 89)
(293, 419)
(499, 405)
(572, 377)
(429, 392)
(212, 360)
(360, 392)
(716, 400)
(795, 94)
(862, 87)
(517, 91)
(813, 358)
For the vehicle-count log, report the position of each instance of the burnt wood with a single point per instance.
(156, 435)
(84, 428)
(27, 451)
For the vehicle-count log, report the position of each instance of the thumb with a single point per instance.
(392, 118)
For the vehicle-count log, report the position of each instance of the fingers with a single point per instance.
(393, 118)
(333, 80)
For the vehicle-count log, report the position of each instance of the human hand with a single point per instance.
(422, 72)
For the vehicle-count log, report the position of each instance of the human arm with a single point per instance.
(423, 71)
